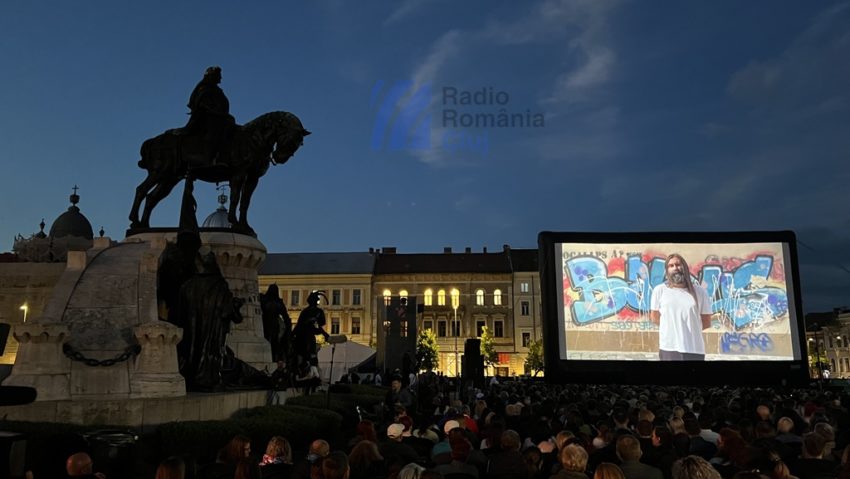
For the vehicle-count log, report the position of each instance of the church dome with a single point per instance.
(72, 222)
(218, 218)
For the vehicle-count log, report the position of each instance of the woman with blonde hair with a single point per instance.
(411, 471)
(277, 461)
(573, 463)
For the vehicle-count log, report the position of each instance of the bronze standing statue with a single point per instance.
(213, 148)
(207, 307)
(277, 326)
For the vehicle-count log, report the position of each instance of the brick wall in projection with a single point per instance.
(607, 290)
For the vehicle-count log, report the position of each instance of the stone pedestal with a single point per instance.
(156, 370)
(239, 257)
(40, 362)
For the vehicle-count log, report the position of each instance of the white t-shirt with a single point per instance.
(681, 326)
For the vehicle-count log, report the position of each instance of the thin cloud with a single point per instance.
(405, 11)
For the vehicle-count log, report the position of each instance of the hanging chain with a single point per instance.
(75, 355)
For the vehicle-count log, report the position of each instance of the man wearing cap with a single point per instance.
(441, 452)
(394, 450)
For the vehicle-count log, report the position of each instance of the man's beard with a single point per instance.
(677, 278)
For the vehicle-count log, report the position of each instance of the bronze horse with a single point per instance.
(271, 138)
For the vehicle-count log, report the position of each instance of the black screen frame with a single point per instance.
(557, 370)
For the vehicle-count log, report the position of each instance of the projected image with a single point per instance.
(676, 302)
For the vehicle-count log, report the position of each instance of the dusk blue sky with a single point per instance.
(658, 116)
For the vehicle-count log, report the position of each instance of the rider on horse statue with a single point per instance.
(210, 118)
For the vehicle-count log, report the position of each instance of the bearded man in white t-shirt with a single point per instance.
(682, 310)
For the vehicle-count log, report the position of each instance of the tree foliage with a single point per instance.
(427, 350)
(488, 348)
(534, 360)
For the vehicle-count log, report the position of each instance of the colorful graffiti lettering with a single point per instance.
(740, 294)
(745, 343)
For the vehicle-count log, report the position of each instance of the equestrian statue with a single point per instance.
(212, 147)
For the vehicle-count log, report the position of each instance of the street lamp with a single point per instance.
(815, 328)
(25, 308)
(456, 327)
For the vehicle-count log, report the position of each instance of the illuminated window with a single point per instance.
(455, 298)
(497, 297)
(523, 287)
(479, 297)
(429, 297)
(402, 294)
(441, 297)
(387, 296)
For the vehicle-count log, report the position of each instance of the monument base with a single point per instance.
(144, 413)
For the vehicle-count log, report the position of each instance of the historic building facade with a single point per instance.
(456, 294)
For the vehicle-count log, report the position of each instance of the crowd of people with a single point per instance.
(532, 430)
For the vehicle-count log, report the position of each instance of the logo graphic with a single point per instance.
(403, 119)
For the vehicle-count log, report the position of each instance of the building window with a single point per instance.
(479, 328)
(441, 329)
(355, 325)
(526, 339)
(402, 294)
(455, 328)
(455, 298)
(429, 297)
(479, 297)
(498, 329)
(294, 297)
(355, 297)
(426, 325)
(523, 287)
(335, 294)
(334, 325)
(441, 297)
(387, 296)
(497, 297)
(524, 308)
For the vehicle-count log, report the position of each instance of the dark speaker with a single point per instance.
(473, 362)
(5, 328)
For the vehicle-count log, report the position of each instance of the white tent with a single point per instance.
(346, 356)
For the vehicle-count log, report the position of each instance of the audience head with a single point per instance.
(785, 425)
(79, 464)
(628, 448)
(171, 468)
(606, 470)
(237, 449)
(573, 458)
(510, 441)
(694, 467)
(410, 471)
(364, 453)
(335, 466)
(278, 447)
(813, 445)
